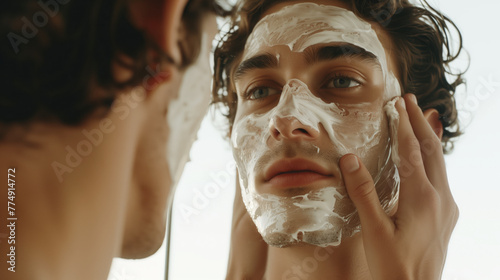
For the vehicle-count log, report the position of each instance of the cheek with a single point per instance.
(247, 134)
(361, 132)
(375, 151)
(248, 143)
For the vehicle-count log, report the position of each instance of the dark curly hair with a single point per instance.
(50, 58)
(421, 35)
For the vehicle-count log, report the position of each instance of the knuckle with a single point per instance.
(455, 213)
(411, 142)
(430, 146)
(431, 196)
(413, 155)
(451, 210)
(451, 221)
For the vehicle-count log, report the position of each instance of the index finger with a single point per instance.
(411, 166)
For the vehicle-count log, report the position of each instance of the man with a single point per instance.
(89, 143)
(318, 131)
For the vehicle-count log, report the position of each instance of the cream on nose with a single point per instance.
(285, 122)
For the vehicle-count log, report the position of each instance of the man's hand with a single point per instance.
(412, 244)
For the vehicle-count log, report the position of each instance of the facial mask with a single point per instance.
(321, 216)
(187, 111)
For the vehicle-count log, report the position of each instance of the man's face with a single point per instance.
(312, 85)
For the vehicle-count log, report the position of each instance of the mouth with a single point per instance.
(296, 172)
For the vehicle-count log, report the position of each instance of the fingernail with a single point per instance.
(413, 98)
(350, 163)
(402, 103)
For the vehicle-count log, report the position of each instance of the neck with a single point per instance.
(346, 261)
(61, 195)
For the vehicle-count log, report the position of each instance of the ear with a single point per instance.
(161, 20)
(432, 117)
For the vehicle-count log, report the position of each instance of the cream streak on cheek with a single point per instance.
(361, 129)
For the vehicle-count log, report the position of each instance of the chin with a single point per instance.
(144, 241)
(146, 216)
(145, 226)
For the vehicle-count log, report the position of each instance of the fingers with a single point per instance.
(361, 190)
(422, 170)
(430, 144)
(416, 191)
(411, 167)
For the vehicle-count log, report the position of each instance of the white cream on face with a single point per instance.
(323, 216)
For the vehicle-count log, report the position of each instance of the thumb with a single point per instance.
(361, 190)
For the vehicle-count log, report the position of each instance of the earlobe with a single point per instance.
(432, 117)
(161, 20)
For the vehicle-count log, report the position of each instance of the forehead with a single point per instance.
(301, 24)
(276, 7)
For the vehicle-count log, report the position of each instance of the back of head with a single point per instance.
(54, 53)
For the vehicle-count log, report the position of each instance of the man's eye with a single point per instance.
(263, 92)
(342, 82)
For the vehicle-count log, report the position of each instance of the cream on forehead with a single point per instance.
(302, 25)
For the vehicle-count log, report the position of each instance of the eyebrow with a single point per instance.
(312, 55)
(325, 53)
(262, 61)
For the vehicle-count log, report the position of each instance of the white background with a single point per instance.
(200, 239)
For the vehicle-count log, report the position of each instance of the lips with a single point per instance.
(289, 173)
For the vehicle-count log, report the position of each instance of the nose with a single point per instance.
(292, 129)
